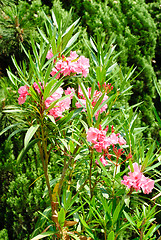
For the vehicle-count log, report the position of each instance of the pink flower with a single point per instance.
(65, 104)
(56, 112)
(21, 99)
(60, 107)
(83, 66)
(23, 91)
(55, 96)
(54, 71)
(49, 54)
(92, 134)
(99, 146)
(73, 56)
(147, 184)
(103, 161)
(72, 64)
(113, 138)
(107, 142)
(70, 91)
(101, 135)
(137, 180)
(78, 105)
(121, 140)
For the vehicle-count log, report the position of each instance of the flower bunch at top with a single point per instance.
(137, 180)
(97, 94)
(69, 65)
(102, 143)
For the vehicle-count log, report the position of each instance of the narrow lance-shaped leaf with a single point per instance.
(15, 132)
(98, 103)
(25, 150)
(43, 235)
(30, 133)
(148, 157)
(9, 127)
(109, 100)
(67, 37)
(129, 218)
(43, 35)
(13, 78)
(72, 40)
(87, 228)
(116, 213)
(157, 116)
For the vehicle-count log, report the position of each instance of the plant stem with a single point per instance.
(66, 165)
(44, 159)
(90, 174)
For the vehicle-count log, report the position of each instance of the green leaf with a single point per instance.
(43, 235)
(157, 116)
(129, 218)
(67, 36)
(13, 78)
(72, 40)
(111, 236)
(25, 150)
(30, 133)
(54, 19)
(110, 99)
(150, 231)
(98, 103)
(61, 217)
(43, 35)
(48, 88)
(15, 132)
(116, 213)
(131, 166)
(87, 228)
(73, 236)
(148, 157)
(157, 87)
(9, 127)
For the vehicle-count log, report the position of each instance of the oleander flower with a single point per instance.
(69, 65)
(103, 161)
(23, 91)
(137, 180)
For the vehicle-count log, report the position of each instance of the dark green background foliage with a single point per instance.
(137, 26)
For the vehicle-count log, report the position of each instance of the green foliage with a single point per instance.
(4, 234)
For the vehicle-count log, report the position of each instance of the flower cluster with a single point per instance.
(102, 143)
(70, 65)
(61, 106)
(96, 96)
(23, 91)
(137, 180)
